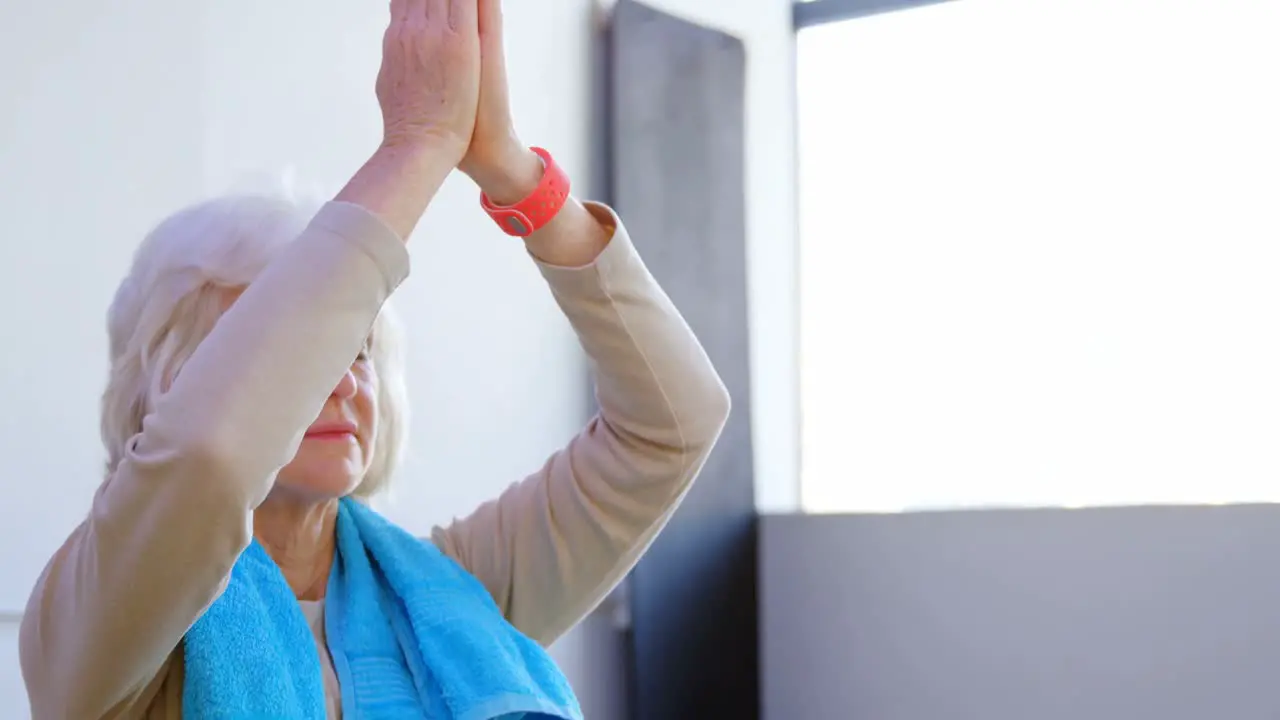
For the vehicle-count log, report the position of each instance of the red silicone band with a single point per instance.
(539, 208)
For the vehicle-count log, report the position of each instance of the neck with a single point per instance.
(300, 535)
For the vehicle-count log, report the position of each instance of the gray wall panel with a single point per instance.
(1141, 613)
(677, 143)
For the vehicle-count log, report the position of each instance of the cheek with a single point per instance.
(366, 407)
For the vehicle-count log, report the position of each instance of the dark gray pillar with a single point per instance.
(676, 147)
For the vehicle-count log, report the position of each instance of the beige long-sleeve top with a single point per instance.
(102, 634)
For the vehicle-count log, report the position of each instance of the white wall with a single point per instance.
(111, 118)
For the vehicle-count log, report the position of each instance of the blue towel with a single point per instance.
(412, 635)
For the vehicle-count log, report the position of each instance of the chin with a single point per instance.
(321, 477)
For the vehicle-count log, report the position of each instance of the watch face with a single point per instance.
(516, 225)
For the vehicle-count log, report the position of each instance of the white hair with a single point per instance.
(178, 287)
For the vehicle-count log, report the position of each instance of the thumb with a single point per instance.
(489, 16)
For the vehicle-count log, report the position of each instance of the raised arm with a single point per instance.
(552, 546)
(169, 523)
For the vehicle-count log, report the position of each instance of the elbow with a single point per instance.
(712, 411)
(213, 458)
(233, 476)
(721, 405)
(209, 456)
(47, 660)
(196, 494)
(45, 697)
(225, 493)
(31, 663)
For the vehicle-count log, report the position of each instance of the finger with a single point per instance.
(399, 10)
(489, 17)
(414, 10)
(436, 10)
(489, 21)
(463, 15)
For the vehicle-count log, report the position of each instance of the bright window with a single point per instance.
(1040, 255)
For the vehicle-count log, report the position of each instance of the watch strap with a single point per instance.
(531, 214)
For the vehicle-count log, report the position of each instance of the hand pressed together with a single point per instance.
(443, 82)
(429, 82)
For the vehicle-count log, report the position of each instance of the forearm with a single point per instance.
(572, 239)
(653, 375)
(253, 385)
(653, 378)
(262, 375)
(399, 181)
(171, 521)
(552, 546)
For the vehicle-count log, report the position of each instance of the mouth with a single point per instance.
(331, 431)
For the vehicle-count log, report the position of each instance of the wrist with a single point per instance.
(398, 181)
(425, 150)
(509, 178)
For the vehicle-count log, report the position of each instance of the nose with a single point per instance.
(346, 387)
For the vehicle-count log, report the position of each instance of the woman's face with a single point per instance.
(338, 447)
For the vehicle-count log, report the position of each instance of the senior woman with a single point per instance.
(229, 568)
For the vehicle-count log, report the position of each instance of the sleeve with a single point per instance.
(551, 547)
(167, 526)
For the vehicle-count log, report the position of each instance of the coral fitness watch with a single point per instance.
(535, 211)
